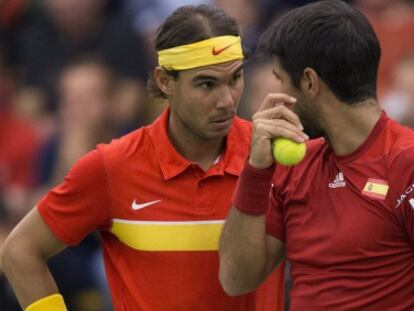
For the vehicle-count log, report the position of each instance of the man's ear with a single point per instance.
(163, 80)
(310, 82)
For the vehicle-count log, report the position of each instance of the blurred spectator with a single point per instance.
(393, 22)
(86, 93)
(259, 82)
(399, 101)
(86, 89)
(62, 29)
(18, 149)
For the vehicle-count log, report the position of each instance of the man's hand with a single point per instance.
(274, 119)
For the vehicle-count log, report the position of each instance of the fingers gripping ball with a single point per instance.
(288, 152)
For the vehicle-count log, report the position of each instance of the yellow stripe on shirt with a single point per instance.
(168, 235)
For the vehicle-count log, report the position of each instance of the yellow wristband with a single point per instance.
(53, 302)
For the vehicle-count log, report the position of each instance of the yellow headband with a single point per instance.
(203, 53)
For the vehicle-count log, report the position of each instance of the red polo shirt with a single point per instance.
(348, 223)
(160, 217)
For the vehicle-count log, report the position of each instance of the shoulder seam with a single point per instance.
(107, 186)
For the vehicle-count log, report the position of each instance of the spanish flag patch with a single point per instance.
(376, 188)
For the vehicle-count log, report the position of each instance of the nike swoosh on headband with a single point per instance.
(217, 52)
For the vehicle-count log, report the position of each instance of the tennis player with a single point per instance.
(159, 195)
(344, 216)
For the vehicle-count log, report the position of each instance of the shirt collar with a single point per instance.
(173, 163)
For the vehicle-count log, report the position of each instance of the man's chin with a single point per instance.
(217, 134)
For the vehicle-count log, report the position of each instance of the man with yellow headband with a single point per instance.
(159, 195)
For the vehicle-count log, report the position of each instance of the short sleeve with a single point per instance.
(79, 205)
(401, 180)
(274, 216)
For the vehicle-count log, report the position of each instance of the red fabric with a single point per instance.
(144, 166)
(18, 145)
(252, 191)
(349, 251)
(85, 187)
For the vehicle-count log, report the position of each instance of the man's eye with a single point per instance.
(237, 77)
(207, 85)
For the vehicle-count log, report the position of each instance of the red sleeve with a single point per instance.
(274, 216)
(401, 181)
(79, 205)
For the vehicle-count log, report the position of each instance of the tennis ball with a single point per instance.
(288, 152)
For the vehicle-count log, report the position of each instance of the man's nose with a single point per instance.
(226, 98)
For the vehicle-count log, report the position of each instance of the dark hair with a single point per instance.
(334, 39)
(189, 24)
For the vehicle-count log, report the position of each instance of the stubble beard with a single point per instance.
(309, 119)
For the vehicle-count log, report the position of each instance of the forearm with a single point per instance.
(28, 274)
(244, 248)
(24, 259)
(243, 252)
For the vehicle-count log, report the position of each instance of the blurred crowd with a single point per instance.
(73, 74)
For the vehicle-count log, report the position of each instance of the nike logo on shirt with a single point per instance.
(136, 206)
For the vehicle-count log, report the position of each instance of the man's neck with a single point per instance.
(348, 126)
(194, 148)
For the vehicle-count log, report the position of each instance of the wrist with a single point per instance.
(52, 302)
(258, 165)
(253, 188)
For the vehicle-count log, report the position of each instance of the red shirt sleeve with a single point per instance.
(80, 205)
(401, 181)
(274, 216)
